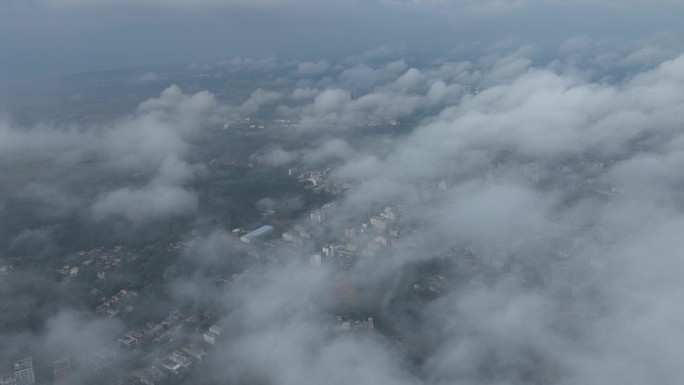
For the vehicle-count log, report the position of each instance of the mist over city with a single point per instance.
(298, 192)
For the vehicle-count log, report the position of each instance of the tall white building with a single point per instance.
(350, 232)
(378, 222)
(23, 371)
(389, 214)
(318, 216)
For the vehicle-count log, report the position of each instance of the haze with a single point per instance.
(341, 192)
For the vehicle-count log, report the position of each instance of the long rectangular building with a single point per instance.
(258, 233)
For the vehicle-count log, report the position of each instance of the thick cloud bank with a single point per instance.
(567, 192)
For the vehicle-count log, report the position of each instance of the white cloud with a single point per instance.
(313, 68)
(303, 93)
(150, 203)
(330, 100)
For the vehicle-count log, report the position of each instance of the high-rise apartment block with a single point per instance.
(23, 372)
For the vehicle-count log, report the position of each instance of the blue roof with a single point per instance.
(263, 230)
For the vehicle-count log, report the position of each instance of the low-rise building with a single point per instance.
(149, 376)
(378, 222)
(212, 335)
(61, 368)
(354, 324)
(128, 341)
(195, 351)
(181, 359)
(289, 236)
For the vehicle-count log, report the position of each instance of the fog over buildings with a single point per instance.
(381, 192)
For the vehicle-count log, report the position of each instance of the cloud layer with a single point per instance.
(541, 205)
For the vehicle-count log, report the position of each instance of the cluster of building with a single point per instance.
(370, 238)
(312, 229)
(68, 272)
(319, 180)
(179, 361)
(378, 234)
(22, 375)
(245, 124)
(212, 335)
(253, 124)
(99, 359)
(175, 353)
(594, 179)
(373, 121)
(136, 338)
(533, 171)
(150, 376)
(108, 306)
(432, 284)
(100, 260)
(353, 325)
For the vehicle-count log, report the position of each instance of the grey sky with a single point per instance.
(40, 37)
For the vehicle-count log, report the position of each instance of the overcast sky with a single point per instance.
(53, 37)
